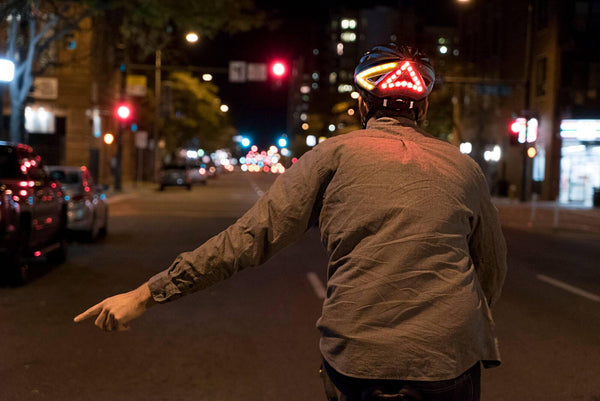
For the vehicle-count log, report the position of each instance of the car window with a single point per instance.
(65, 177)
(9, 164)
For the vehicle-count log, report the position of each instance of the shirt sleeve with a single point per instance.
(280, 217)
(488, 250)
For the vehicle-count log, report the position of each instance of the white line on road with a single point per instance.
(257, 189)
(118, 198)
(317, 285)
(568, 287)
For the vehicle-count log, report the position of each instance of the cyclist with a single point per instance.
(417, 256)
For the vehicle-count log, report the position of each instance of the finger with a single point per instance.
(101, 319)
(110, 322)
(94, 310)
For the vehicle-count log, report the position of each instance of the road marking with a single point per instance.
(118, 198)
(568, 287)
(257, 189)
(317, 285)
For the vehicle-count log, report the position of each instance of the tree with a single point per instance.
(32, 27)
(138, 27)
(195, 115)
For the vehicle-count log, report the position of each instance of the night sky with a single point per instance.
(259, 109)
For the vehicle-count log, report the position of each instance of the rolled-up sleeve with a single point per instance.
(279, 218)
(488, 250)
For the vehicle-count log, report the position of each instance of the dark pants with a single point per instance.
(465, 387)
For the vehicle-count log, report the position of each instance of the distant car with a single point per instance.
(33, 212)
(175, 175)
(87, 205)
(198, 174)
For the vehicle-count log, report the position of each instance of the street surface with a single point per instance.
(253, 337)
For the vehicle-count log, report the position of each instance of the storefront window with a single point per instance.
(580, 161)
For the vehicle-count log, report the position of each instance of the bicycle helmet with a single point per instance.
(396, 78)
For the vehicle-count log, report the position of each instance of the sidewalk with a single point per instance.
(129, 190)
(549, 217)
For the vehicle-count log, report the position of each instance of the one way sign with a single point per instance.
(238, 71)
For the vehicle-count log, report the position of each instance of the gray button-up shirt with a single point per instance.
(416, 251)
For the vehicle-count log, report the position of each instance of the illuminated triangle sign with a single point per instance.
(404, 77)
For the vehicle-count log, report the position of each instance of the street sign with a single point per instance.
(257, 72)
(141, 139)
(238, 71)
(136, 85)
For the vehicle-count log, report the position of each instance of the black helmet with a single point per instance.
(394, 78)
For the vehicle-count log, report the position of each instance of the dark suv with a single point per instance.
(33, 212)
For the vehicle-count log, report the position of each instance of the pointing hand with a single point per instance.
(116, 312)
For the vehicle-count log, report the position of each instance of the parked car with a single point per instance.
(87, 205)
(33, 211)
(175, 175)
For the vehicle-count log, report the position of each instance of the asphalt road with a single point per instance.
(253, 337)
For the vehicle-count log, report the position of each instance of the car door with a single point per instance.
(47, 205)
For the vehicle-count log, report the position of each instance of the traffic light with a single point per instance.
(278, 69)
(123, 112)
(531, 152)
(523, 130)
(108, 138)
(518, 130)
(282, 141)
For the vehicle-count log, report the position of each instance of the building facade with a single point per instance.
(541, 56)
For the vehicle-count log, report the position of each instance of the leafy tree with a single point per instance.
(32, 27)
(195, 115)
(137, 27)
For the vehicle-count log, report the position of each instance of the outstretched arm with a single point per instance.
(115, 313)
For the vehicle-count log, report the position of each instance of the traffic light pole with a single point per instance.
(119, 161)
(524, 175)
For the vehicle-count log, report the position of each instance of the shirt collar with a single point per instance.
(391, 120)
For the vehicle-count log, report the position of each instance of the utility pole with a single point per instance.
(121, 123)
(527, 103)
(157, 105)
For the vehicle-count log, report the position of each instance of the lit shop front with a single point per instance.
(580, 161)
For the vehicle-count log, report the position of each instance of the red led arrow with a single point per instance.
(404, 77)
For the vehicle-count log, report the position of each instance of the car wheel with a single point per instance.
(94, 231)
(17, 270)
(161, 188)
(104, 228)
(204, 182)
(189, 187)
(59, 255)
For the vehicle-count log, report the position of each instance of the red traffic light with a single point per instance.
(123, 112)
(278, 69)
(515, 127)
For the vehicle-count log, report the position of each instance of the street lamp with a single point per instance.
(7, 74)
(7, 70)
(192, 37)
(224, 108)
